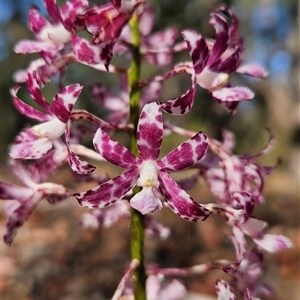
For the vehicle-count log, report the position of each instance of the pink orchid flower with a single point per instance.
(148, 172)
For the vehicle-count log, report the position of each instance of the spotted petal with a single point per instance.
(70, 10)
(26, 109)
(231, 94)
(222, 38)
(35, 20)
(198, 49)
(18, 217)
(28, 46)
(76, 163)
(34, 88)
(108, 192)
(223, 290)
(90, 54)
(179, 201)
(114, 152)
(186, 154)
(254, 70)
(182, 104)
(150, 131)
(64, 101)
(29, 145)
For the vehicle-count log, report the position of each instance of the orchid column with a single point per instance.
(137, 219)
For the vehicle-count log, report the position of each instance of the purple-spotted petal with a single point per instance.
(222, 38)
(179, 201)
(28, 46)
(114, 152)
(19, 216)
(150, 131)
(35, 20)
(77, 164)
(26, 109)
(64, 101)
(185, 155)
(230, 94)
(108, 192)
(182, 104)
(254, 70)
(70, 10)
(53, 10)
(29, 145)
(223, 290)
(90, 54)
(34, 88)
(197, 48)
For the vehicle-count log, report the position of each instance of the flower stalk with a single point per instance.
(137, 219)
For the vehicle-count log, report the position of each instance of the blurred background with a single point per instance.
(84, 264)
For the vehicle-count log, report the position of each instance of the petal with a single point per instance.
(223, 290)
(150, 131)
(13, 192)
(64, 101)
(179, 201)
(19, 216)
(182, 104)
(70, 10)
(107, 98)
(22, 170)
(239, 242)
(273, 242)
(35, 20)
(254, 70)
(222, 38)
(147, 20)
(29, 145)
(26, 109)
(114, 152)
(233, 94)
(185, 155)
(28, 46)
(197, 48)
(253, 227)
(33, 87)
(90, 54)
(126, 277)
(108, 192)
(53, 10)
(145, 201)
(76, 163)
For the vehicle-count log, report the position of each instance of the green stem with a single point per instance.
(137, 219)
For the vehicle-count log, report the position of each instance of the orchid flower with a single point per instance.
(22, 200)
(119, 104)
(34, 142)
(214, 60)
(51, 36)
(147, 172)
